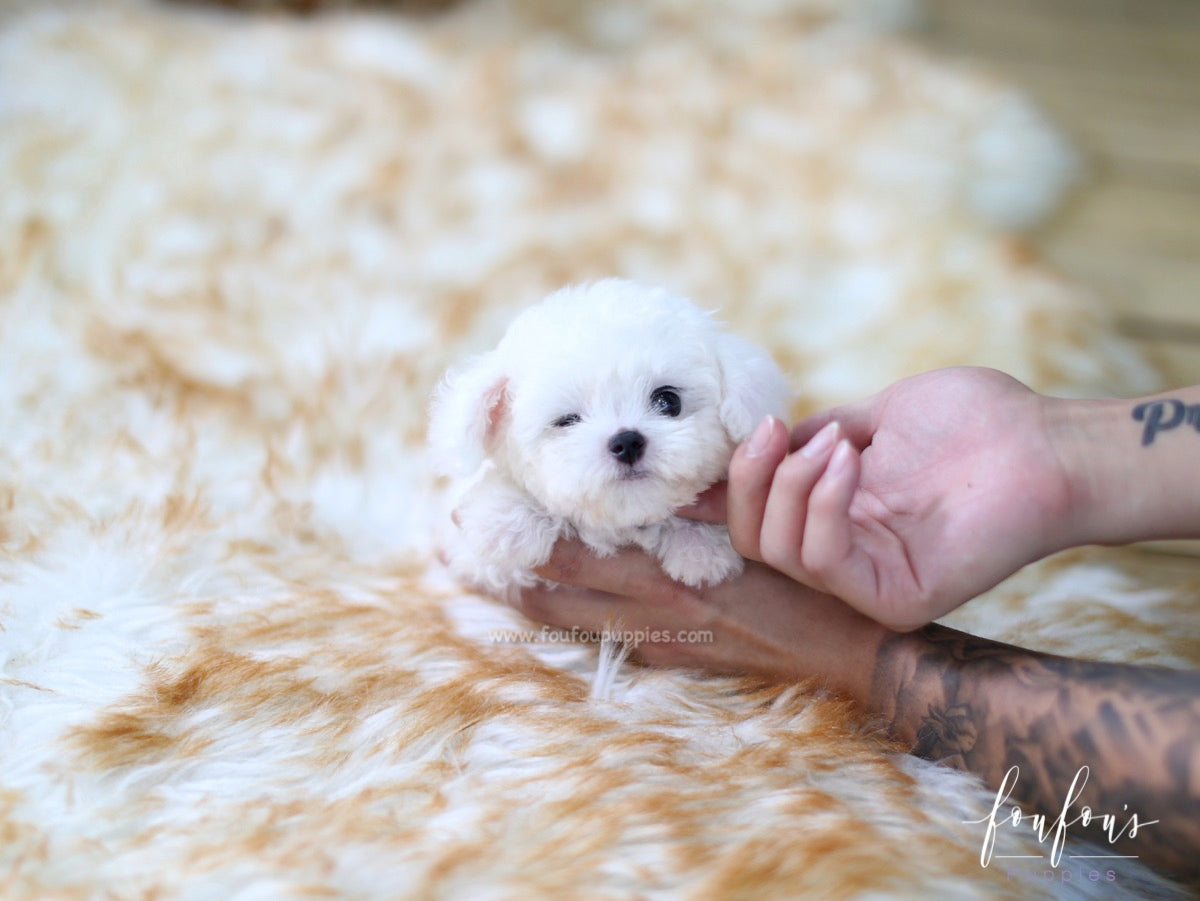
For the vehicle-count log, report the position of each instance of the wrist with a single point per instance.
(1083, 435)
(1130, 467)
(767, 624)
(937, 691)
(845, 658)
(906, 683)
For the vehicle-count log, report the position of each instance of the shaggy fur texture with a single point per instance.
(529, 428)
(235, 255)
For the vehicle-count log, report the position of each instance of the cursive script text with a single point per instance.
(1164, 415)
(1056, 829)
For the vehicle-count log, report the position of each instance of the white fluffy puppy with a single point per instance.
(603, 409)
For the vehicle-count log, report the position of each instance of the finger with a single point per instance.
(857, 422)
(640, 626)
(827, 546)
(709, 506)
(629, 572)
(781, 531)
(571, 608)
(750, 474)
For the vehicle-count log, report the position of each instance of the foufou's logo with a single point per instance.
(1113, 827)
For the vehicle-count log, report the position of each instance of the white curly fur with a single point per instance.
(532, 421)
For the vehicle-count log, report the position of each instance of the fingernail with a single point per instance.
(819, 443)
(761, 438)
(840, 460)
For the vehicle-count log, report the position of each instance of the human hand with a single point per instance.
(908, 504)
(911, 685)
(761, 622)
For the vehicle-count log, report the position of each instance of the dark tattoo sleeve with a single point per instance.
(988, 707)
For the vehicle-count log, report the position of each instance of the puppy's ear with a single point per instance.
(467, 415)
(751, 386)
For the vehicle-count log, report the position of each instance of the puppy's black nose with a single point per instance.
(627, 446)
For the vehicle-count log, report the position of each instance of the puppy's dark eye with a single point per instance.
(566, 421)
(665, 400)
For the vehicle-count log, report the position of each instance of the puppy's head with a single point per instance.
(611, 404)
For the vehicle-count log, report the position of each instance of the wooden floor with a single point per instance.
(1123, 78)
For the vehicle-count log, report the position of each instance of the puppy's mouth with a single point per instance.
(630, 474)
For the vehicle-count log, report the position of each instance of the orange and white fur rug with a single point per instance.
(236, 253)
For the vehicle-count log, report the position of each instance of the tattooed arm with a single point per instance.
(905, 506)
(959, 700)
(1029, 724)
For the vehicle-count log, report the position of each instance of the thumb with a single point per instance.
(858, 422)
(710, 506)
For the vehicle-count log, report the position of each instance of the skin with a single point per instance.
(911, 503)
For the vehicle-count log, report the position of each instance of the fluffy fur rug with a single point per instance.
(236, 252)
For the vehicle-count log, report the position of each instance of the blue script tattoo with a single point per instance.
(1164, 415)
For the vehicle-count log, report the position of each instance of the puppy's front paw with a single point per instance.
(697, 553)
(500, 539)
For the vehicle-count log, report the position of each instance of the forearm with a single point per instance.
(988, 708)
(1132, 466)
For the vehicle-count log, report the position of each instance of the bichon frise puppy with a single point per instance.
(603, 409)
